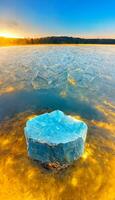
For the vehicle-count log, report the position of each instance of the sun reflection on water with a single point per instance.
(8, 89)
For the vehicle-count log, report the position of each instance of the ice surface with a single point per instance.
(47, 67)
(55, 137)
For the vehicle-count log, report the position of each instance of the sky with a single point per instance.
(39, 18)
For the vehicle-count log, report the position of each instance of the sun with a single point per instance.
(8, 35)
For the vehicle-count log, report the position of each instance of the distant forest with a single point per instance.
(53, 40)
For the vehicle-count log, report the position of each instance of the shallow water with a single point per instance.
(78, 80)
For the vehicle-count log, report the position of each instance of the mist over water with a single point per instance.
(78, 80)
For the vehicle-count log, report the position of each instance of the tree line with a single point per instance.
(53, 40)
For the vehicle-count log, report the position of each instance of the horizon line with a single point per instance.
(58, 36)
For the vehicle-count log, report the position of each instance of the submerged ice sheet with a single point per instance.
(55, 137)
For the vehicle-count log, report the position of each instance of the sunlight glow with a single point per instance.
(8, 35)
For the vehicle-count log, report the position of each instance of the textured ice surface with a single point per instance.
(55, 137)
(46, 67)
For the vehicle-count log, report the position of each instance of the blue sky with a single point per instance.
(85, 18)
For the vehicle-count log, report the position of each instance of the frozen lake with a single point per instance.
(78, 80)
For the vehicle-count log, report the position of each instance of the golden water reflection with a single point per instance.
(8, 89)
(92, 177)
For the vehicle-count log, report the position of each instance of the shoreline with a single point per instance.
(16, 45)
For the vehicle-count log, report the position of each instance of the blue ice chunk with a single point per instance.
(55, 137)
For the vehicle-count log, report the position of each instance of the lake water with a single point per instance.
(79, 80)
